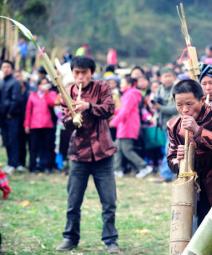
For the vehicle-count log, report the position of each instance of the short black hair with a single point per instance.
(110, 68)
(8, 62)
(139, 68)
(83, 63)
(188, 86)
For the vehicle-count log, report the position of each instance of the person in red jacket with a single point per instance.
(38, 123)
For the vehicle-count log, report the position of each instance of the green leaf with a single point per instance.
(21, 27)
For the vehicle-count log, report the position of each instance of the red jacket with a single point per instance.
(127, 119)
(38, 113)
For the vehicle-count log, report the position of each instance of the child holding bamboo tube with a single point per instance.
(196, 117)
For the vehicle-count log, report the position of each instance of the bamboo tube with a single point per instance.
(181, 213)
(78, 116)
(77, 120)
(207, 99)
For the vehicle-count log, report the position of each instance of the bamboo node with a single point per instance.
(187, 174)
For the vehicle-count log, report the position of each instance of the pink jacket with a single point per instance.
(127, 119)
(37, 113)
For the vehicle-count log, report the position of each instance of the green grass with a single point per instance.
(32, 220)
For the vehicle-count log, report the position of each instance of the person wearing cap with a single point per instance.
(205, 79)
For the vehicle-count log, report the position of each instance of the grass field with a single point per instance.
(32, 220)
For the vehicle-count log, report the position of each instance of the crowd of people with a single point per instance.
(130, 110)
(31, 118)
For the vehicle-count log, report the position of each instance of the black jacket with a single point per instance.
(10, 96)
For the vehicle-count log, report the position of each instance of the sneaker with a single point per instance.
(9, 169)
(66, 245)
(144, 172)
(119, 174)
(113, 248)
(21, 169)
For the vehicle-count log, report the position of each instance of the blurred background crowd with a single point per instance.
(34, 136)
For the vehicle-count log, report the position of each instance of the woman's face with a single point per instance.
(142, 83)
(206, 84)
(44, 85)
(154, 86)
(136, 74)
(124, 85)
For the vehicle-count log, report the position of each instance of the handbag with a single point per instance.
(154, 137)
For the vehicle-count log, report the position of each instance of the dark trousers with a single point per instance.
(40, 148)
(204, 202)
(23, 142)
(10, 132)
(103, 175)
(126, 150)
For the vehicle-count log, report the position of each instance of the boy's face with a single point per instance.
(187, 104)
(6, 69)
(168, 79)
(206, 83)
(82, 76)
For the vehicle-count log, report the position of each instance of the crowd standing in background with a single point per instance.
(30, 118)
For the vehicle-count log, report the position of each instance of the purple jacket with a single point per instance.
(92, 142)
(127, 119)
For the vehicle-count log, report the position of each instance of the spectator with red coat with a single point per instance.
(38, 123)
(127, 122)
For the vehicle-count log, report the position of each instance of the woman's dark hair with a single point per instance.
(83, 63)
(131, 81)
(188, 86)
(139, 68)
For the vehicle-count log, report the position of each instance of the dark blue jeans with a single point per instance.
(10, 135)
(103, 175)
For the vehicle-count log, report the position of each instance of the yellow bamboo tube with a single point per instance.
(182, 215)
(57, 81)
(207, 99)
(78, 116)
